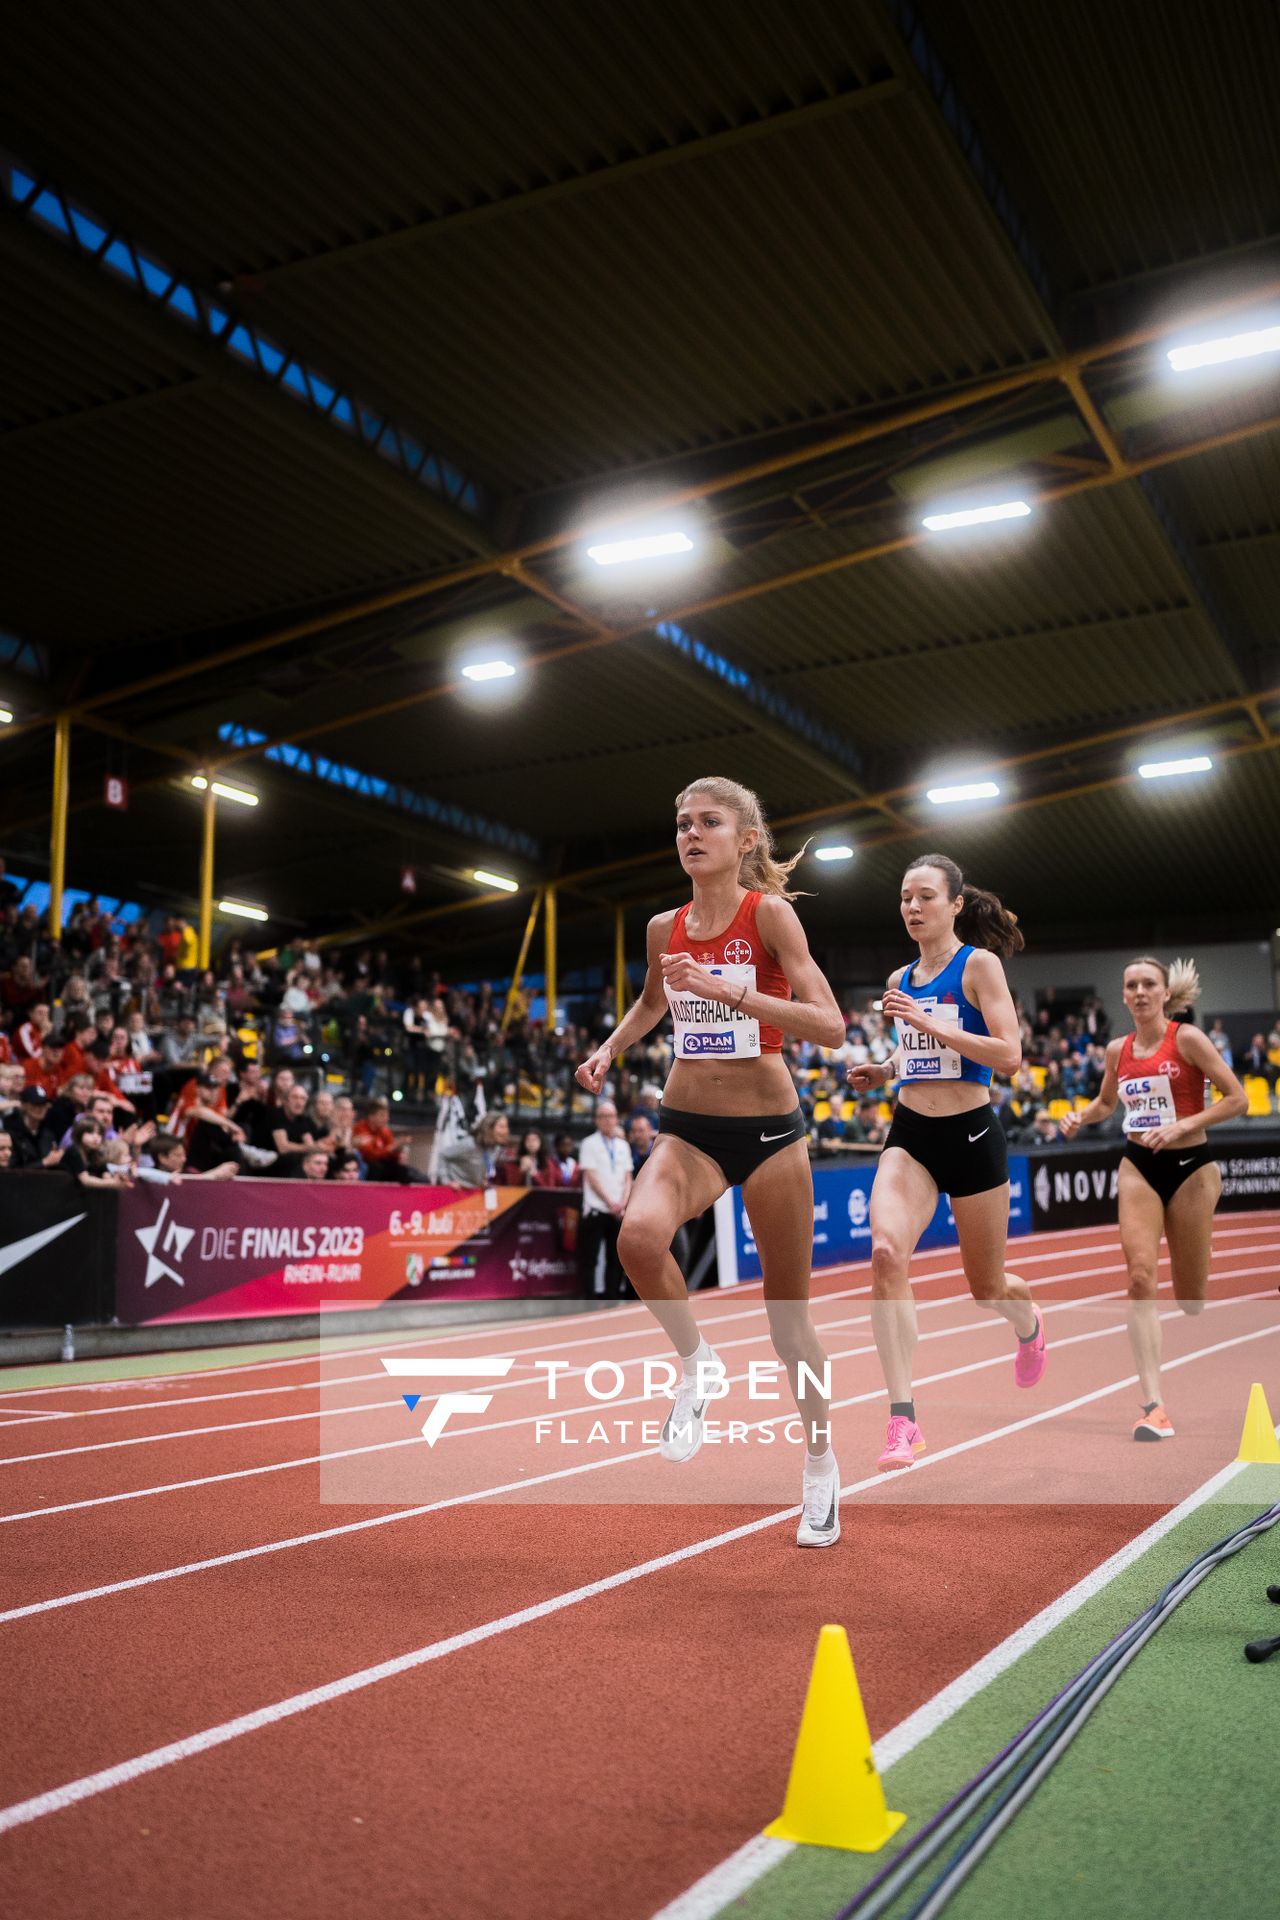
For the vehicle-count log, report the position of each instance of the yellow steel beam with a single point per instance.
(838, 563)
(521, 957)
(208, 829)
(58, 821)
(1038, 373)
(550, 937)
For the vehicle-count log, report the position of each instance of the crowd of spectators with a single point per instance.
(121, 1058)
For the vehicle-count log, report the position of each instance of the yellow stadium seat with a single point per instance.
(1259, 1095)
(822, 1111)
(1057, 1108)
(1038, 1075)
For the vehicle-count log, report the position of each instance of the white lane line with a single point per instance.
(608, 1332)
(1076, 1247)
(710, 1894)
(390, 1404)
(1073, 1237)
(126, 1771)
(485, 1493)
(520, 1420)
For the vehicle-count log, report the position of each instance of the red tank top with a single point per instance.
(1186, 1083)
(740, 945)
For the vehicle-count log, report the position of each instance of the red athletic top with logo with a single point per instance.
(740, 945)
(1186, 1083)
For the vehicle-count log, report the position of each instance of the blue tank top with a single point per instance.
(923, 1059)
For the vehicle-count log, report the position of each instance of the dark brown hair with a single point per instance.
(982, 921)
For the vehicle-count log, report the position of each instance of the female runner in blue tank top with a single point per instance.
(955, 1025)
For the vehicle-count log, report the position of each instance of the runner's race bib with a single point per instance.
(710, 1030)
(923, 1057)
(1148, 1102)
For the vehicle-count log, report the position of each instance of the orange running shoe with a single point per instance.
(1155, 1425)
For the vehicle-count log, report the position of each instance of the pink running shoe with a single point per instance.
(1030, 1361)
(903, 1440)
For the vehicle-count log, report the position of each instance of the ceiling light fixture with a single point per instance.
(489, 670)
(6, 716)
(499, 880)
(645, 546)
(1231, 346)
(1162, 769)
(974, 790)
(243, 796)
(833, 853)
(243, 910)
(976, 516)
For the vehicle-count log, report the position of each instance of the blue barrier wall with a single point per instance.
(842, 1219)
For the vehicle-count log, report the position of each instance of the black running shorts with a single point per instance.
(963, 1152)
(1165, 1171)
(737, 1143)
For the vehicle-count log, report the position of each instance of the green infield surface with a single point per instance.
(1166, 1802)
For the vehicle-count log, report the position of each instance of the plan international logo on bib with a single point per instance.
(708, 1043)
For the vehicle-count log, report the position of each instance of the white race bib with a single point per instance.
(710, 1030)
(1148, 1102)
(923, 1057)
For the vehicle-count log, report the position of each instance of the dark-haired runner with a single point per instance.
(956, 1025)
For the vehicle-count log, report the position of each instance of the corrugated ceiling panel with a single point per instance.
(184, 514)
(1151, 134)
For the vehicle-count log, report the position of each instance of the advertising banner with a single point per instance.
(57, 1248)
(208, 1250)
(1079, 1186)
(842, 1219)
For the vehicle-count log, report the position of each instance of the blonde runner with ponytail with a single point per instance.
(761, 870)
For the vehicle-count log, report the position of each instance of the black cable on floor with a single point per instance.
(1019, 1769)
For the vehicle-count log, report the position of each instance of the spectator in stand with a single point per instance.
(346, 1166)
(640, 1138)
(530, 1160)
(12, 1081)
(1255, 1062)
(21, 989)
(343, 1129)
(1002, 1106)
(382, 1151)
(30, 1034)
(187, 958)
(73, 1099)
(104, 1025)
(416, 1034)
(6, 1150)
(293, 1131)
(493, 1137)
(871, 1129)
(34, 1144)
(320, 1107)
(166, 1160)
(117, 1073)
(47, 1069)
(314, 1164)
(561, 1169)
(86, 1156)
(286, 1038)
(1221, 1039)
(202, 1120)
(605, 1162)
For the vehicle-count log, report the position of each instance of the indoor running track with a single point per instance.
(228, 1696)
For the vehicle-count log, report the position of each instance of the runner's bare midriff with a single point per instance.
(956, 1096)
(731, 1086)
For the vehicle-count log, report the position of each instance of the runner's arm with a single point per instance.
(639, 1019)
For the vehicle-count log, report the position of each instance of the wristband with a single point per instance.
(742, 996)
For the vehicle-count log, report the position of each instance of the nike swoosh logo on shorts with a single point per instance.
(1187, 1162)
(978, 1135)
(778, 1136)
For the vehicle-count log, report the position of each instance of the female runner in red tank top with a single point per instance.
(726, 967)
(1168, 1183)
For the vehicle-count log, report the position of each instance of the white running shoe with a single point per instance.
(682, 1428)
(820, 1521)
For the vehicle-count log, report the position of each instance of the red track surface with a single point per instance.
(602, 1756)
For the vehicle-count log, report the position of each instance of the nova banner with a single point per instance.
(1079, 1186)
(842, 1220)
(209, 1250)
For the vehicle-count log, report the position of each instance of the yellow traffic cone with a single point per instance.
(1258, 1443)
(834, 1795)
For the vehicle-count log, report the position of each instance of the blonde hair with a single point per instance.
(1182, 980)
(761, 868)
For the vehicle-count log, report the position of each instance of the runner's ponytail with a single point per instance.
(982, 921)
